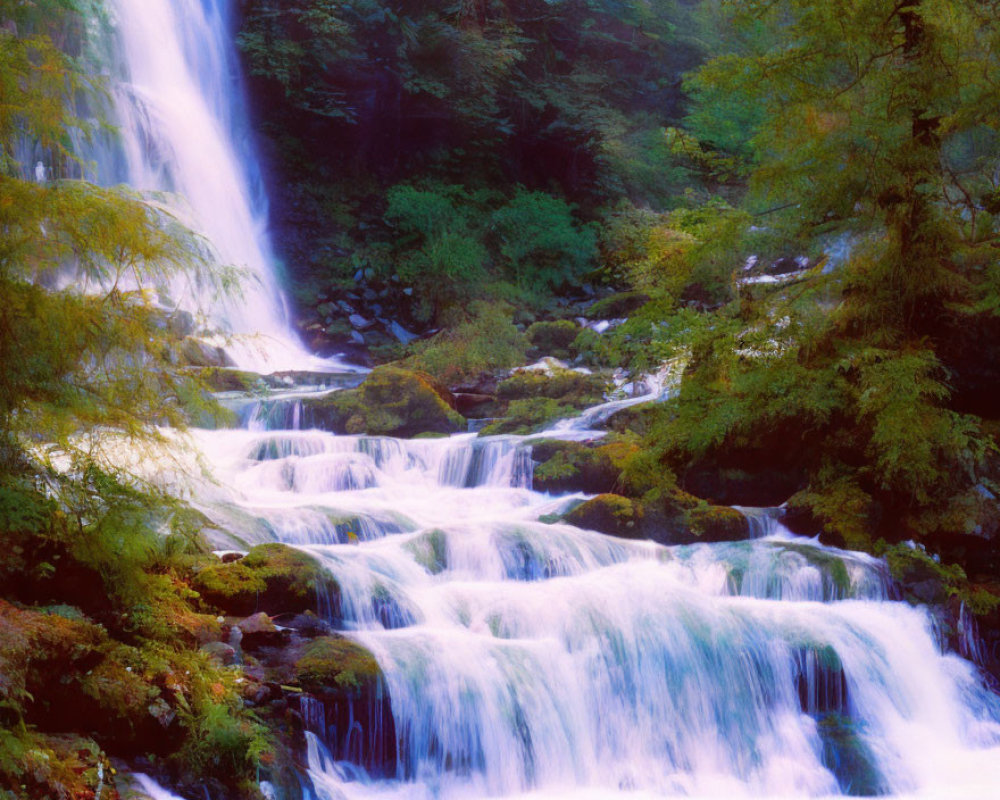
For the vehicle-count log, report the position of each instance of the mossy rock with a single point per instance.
(710, 523)
(569, 387)
(578, 467)
(528, 400)
(225, 379)
(390, 402)
(273, 578)
(608, 513)
(334, 665)
(528, 415)
(553, 338)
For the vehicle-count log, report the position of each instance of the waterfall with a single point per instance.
(183, 131)
(525, 658)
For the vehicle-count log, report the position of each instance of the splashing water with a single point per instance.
(183, 131)
(525, 659)
(522, 658)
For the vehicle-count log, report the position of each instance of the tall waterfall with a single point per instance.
(178, 105)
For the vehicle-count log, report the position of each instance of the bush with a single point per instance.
(485, 341)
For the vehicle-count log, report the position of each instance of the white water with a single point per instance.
(534, 660)
(183, 131)
(526, 659)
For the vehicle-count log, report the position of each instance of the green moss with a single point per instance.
(717, 523)
(608, 513)
(553, 338)
(617, 305)
(528, 416)
(430, 550)
(828, 563)
(333, 664)
(567, 386)
(273, 577)
(390, 402)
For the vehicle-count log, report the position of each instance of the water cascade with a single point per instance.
(183, 131)
(524, 657)
(535, 659)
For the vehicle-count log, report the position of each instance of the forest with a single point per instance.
(787, 210)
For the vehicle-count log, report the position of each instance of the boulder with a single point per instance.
(553, 338)
(608, 513)
(390, 402)
(272, 578)
(580, 467)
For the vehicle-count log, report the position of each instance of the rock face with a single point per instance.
(390, 402)
(272, 578)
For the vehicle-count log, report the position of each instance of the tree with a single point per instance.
(879, 121)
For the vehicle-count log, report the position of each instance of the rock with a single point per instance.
(259, 623)
(357, 338)
(579, 467)
(530, 398)
(258, 631)
(401, 334)
(390, 402)
(710, 523)
(220, 652)
(467, 402)
(359, 322)
(273, 578)
(608, 513)
(197, 352)
(553, 338)
(617, 305)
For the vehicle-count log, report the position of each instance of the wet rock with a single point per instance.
(196, 352)
(553, 338)
(258, 630)
(578, 467)
(617, 305)
(272, 578)
(608, 513)
(390, 402)
(359, 322)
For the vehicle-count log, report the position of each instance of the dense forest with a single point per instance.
(793, 205)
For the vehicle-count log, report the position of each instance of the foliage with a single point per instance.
(539, 241)
(482, 339)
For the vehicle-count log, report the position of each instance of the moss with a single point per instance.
(336, 665)
(528, 416)
(579, 467)
(225, 379)
(390, 402)
(553, 338)
(828, 563)
(849, 758)
(717, 523)
(608, 513)
(430, 550)
(568, 387)
(273, 577)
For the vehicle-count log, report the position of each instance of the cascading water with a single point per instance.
(523, 658)
(539, 660)
(183, 130)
